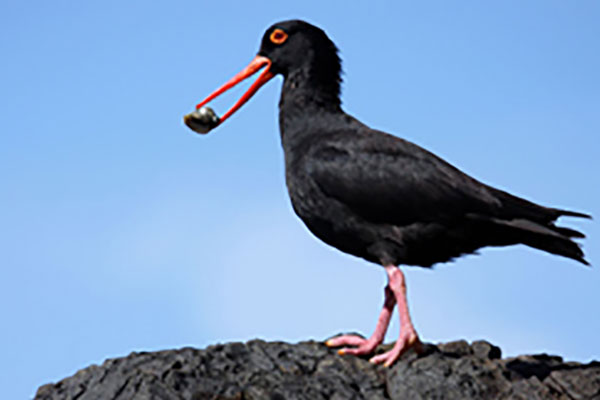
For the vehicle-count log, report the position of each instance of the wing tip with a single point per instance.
(569, 213)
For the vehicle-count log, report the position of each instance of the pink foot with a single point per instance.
(362, 345)
(405, 342)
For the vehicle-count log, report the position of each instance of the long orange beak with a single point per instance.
(255, 65)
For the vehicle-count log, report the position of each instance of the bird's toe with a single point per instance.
(345, 340)
(404, 343)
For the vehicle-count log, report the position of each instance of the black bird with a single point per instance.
(372, 194)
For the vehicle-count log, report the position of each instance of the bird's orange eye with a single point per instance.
(278, 36)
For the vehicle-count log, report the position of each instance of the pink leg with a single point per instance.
(395, 292)
(408, 336)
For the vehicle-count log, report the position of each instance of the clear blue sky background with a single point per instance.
(121, 230)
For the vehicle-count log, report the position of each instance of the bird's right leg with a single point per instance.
(367, 346)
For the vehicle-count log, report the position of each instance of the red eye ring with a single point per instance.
(278, 36)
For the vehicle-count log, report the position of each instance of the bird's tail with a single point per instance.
(550, 238)
(534, 225)
(518, 207)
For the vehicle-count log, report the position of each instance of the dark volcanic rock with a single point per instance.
(309, 370)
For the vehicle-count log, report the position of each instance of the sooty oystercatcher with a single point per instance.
(372, 194)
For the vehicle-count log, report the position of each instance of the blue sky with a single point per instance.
(123, 231)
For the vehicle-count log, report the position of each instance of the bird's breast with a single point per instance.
(328, 219)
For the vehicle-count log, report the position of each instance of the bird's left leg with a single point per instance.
(367, 346)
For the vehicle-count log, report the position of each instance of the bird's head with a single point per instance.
(293, 45)
(286, 47)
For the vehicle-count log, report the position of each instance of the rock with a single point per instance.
(309, 370)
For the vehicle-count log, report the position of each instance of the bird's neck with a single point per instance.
(310, 87)
(306, 94)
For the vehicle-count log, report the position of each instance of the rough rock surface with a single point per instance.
(310, 370)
